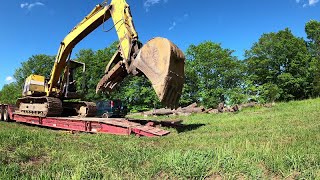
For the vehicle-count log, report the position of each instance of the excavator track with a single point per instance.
(81, 109)
(87, 109)
(54, 107)
(39, 106)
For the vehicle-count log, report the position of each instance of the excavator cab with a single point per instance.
(70, 86)
(35, 85)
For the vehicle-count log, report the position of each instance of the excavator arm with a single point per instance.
(159, 60)
(120, 12)
(85, 27)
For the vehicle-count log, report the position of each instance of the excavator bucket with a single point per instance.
(162, 63)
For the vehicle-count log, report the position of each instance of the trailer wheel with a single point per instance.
(1, 114)
(6, 116)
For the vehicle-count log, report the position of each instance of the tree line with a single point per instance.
(278, 67)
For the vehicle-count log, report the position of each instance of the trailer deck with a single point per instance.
(117, 126)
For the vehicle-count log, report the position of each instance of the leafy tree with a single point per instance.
(10, 93)
(96, 62)
(313, 33)
(236, 96)
(38, 64)
(191, 88)
(214, 70)
(268, 92)
(138, 93)
(312, 29)
(281, 61)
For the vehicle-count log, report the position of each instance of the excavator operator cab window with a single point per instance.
(71, 85)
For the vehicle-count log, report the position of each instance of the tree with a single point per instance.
(138, 93)
(96, 62)
(191, 88)
(312, 29)
(281, 61)
(38, 64)
(214, 70)
(268, 93)
(10, 93)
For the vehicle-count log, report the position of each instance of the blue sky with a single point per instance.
(32, 27)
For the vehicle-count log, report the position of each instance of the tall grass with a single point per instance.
(278, 142)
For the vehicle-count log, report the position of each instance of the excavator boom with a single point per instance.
(120, 12)
(92, 21)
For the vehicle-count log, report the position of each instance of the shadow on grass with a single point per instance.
(176, 124)
(188, 127)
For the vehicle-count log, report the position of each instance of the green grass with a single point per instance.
(278, 142)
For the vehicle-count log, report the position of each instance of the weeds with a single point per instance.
(278, 142)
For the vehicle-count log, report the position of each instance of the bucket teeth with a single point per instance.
(112, 78)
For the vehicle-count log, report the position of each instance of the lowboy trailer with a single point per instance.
(117, 126)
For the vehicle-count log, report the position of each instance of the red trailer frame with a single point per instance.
(117, 126)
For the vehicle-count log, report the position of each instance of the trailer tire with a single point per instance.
(105, 115)
(6, 116)
(1, 114)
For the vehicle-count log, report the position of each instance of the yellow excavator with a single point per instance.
(159, 60)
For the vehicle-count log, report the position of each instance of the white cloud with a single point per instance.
(29, 6)
(9, 80)
(23, 5)
(178, 20)
(313, 2)
(172, 26)
(306, 3)
(148, 3)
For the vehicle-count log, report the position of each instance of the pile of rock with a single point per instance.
(188, 110)
(194, 108)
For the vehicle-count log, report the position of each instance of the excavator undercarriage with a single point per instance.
(54, 107)
(39, 106)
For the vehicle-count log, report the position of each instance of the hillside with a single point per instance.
(278, 142)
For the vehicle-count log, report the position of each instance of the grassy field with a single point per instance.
(278, 142)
